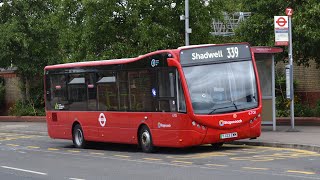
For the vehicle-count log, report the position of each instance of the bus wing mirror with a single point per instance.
(172, 62)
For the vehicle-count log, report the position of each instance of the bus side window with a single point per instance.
(123, 90)
(181, 98)
(56, 92)
(140, 85)
(166, 82)
(92, 91)
(77, 92)
(107, 91)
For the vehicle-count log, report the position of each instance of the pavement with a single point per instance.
(306, 137)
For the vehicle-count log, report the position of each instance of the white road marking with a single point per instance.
(218, 165)
(123, 156)
(152, 159)
(299, 176)
(76, 179)
(301, 172)
(24, 170)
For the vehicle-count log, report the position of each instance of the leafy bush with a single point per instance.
(301, 110)
(34, 106)
(317, 109)
(2, 92)
(282, 108)
(283, 104)
(25, 109)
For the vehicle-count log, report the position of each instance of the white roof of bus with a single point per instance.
(89, 63)
(195, 46)
(84, 62)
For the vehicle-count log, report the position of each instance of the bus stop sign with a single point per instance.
(281, 30)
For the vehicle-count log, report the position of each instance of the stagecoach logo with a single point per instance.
(222, 122)
(154, 62)
(160, 125)
(58, 106)
(102, 119)
(234, 116)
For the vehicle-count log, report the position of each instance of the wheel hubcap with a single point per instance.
(146, 140)
(79, 137)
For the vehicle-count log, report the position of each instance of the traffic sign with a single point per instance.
(281, 22)
(281, 30)
(289, 11)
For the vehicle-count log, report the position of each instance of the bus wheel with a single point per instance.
(216, 146)
(77, 137)
(145, 140)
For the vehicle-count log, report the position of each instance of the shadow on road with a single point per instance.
(159, 150)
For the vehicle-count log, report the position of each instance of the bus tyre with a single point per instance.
(145, 140)
(78, 137)
(216, 146)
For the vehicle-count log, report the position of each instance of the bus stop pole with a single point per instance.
(291, 75)
(274, 123)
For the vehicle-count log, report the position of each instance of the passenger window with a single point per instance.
(56, 92)
(107, 91)
(77, 92)
(92, 91)
(181, 98)
(123, 91)
(140, 90)
(166, 82)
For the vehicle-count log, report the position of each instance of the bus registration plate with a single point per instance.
(228, 135)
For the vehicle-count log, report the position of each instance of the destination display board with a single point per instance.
(214, 53)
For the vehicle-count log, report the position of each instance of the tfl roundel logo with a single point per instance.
(154, 62)
(102, 119)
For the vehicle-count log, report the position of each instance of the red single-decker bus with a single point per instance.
(193, 95)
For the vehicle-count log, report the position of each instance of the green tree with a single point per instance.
(259, 30)
(116, 29)
(36, 33)
(29, 40)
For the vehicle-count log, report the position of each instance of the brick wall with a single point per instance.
(13, 92)
(308, 79)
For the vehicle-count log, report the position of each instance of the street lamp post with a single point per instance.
(185, 17)
(187, 22)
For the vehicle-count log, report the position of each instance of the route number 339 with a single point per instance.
(233, 52)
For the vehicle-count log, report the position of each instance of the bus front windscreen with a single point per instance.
(222, 88)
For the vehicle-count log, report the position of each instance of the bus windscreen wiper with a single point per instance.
(224, 107)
